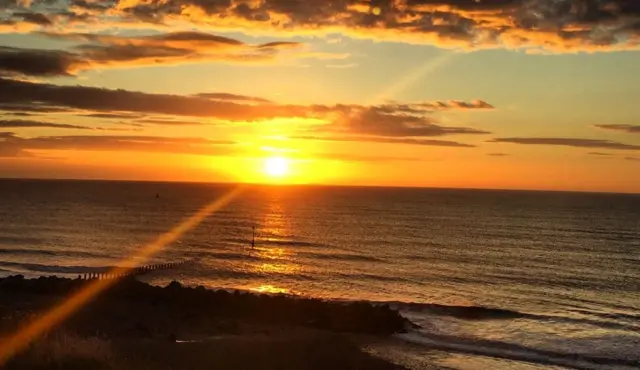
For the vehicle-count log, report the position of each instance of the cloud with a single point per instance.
(498, 154)
(389, 120)
(11, 143)
(459, 104)
(29, 123)
(233, 97)
(407, 141)
(624, 128)
(599, 154)
(112, 115)
(42, 97)
(32, 106)
(349, 157)
(19, 114)
(393, 122)
(169, 122)
(549, 25)
(632, 159)
(17, 24)
(43, 63)
(32, 17)
(437, 105)
(572, 142)
(104, 51)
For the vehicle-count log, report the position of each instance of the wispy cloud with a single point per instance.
(112, 115)
(350, 157)
(12, 143)
(167, 122)
(600, 154)
(30, 107)
(387, 140)
(233, 97)
(498, 154)
(571, 142)
(30, 123)
(633, 129)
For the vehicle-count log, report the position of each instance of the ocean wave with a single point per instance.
(53, 269)
(43, 252)
(491, 313)
(20, 240)
(30, 252)
(273, 241)
(605, 305)
(244, 241)
(613, 316)
(342, 257)
(222, 256)
(463, 312)
(221, 273)
(413, 257)
(291, 243)
(364, 276)
(249, 257)
(509, 351)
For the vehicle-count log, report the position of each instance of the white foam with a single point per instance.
(512, 353)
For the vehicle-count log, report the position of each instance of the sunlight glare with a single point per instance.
(276, 166)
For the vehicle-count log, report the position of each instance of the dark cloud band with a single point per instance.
(555, 25)
(406, 121)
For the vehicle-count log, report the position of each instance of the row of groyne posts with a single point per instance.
(132, 271)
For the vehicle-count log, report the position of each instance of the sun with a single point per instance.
(276, 166)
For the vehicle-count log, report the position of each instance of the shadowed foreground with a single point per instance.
(298, 351)
(134, 325)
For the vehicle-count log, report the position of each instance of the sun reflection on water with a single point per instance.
(273, 253)
(279, 268)
(274, 228)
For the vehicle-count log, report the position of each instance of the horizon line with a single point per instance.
(318, 185)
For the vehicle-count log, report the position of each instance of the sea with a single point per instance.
(564, 266)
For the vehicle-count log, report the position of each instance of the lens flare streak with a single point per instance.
(45, 322)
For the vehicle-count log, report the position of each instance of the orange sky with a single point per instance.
(463, 94)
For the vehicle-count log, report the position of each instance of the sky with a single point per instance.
(507, 94)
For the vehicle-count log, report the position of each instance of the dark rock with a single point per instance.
(146, 306)
(174, 285)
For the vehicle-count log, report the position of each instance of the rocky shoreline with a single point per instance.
(174, 306)
(168, 323)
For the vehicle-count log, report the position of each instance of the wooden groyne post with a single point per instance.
(132, 272)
